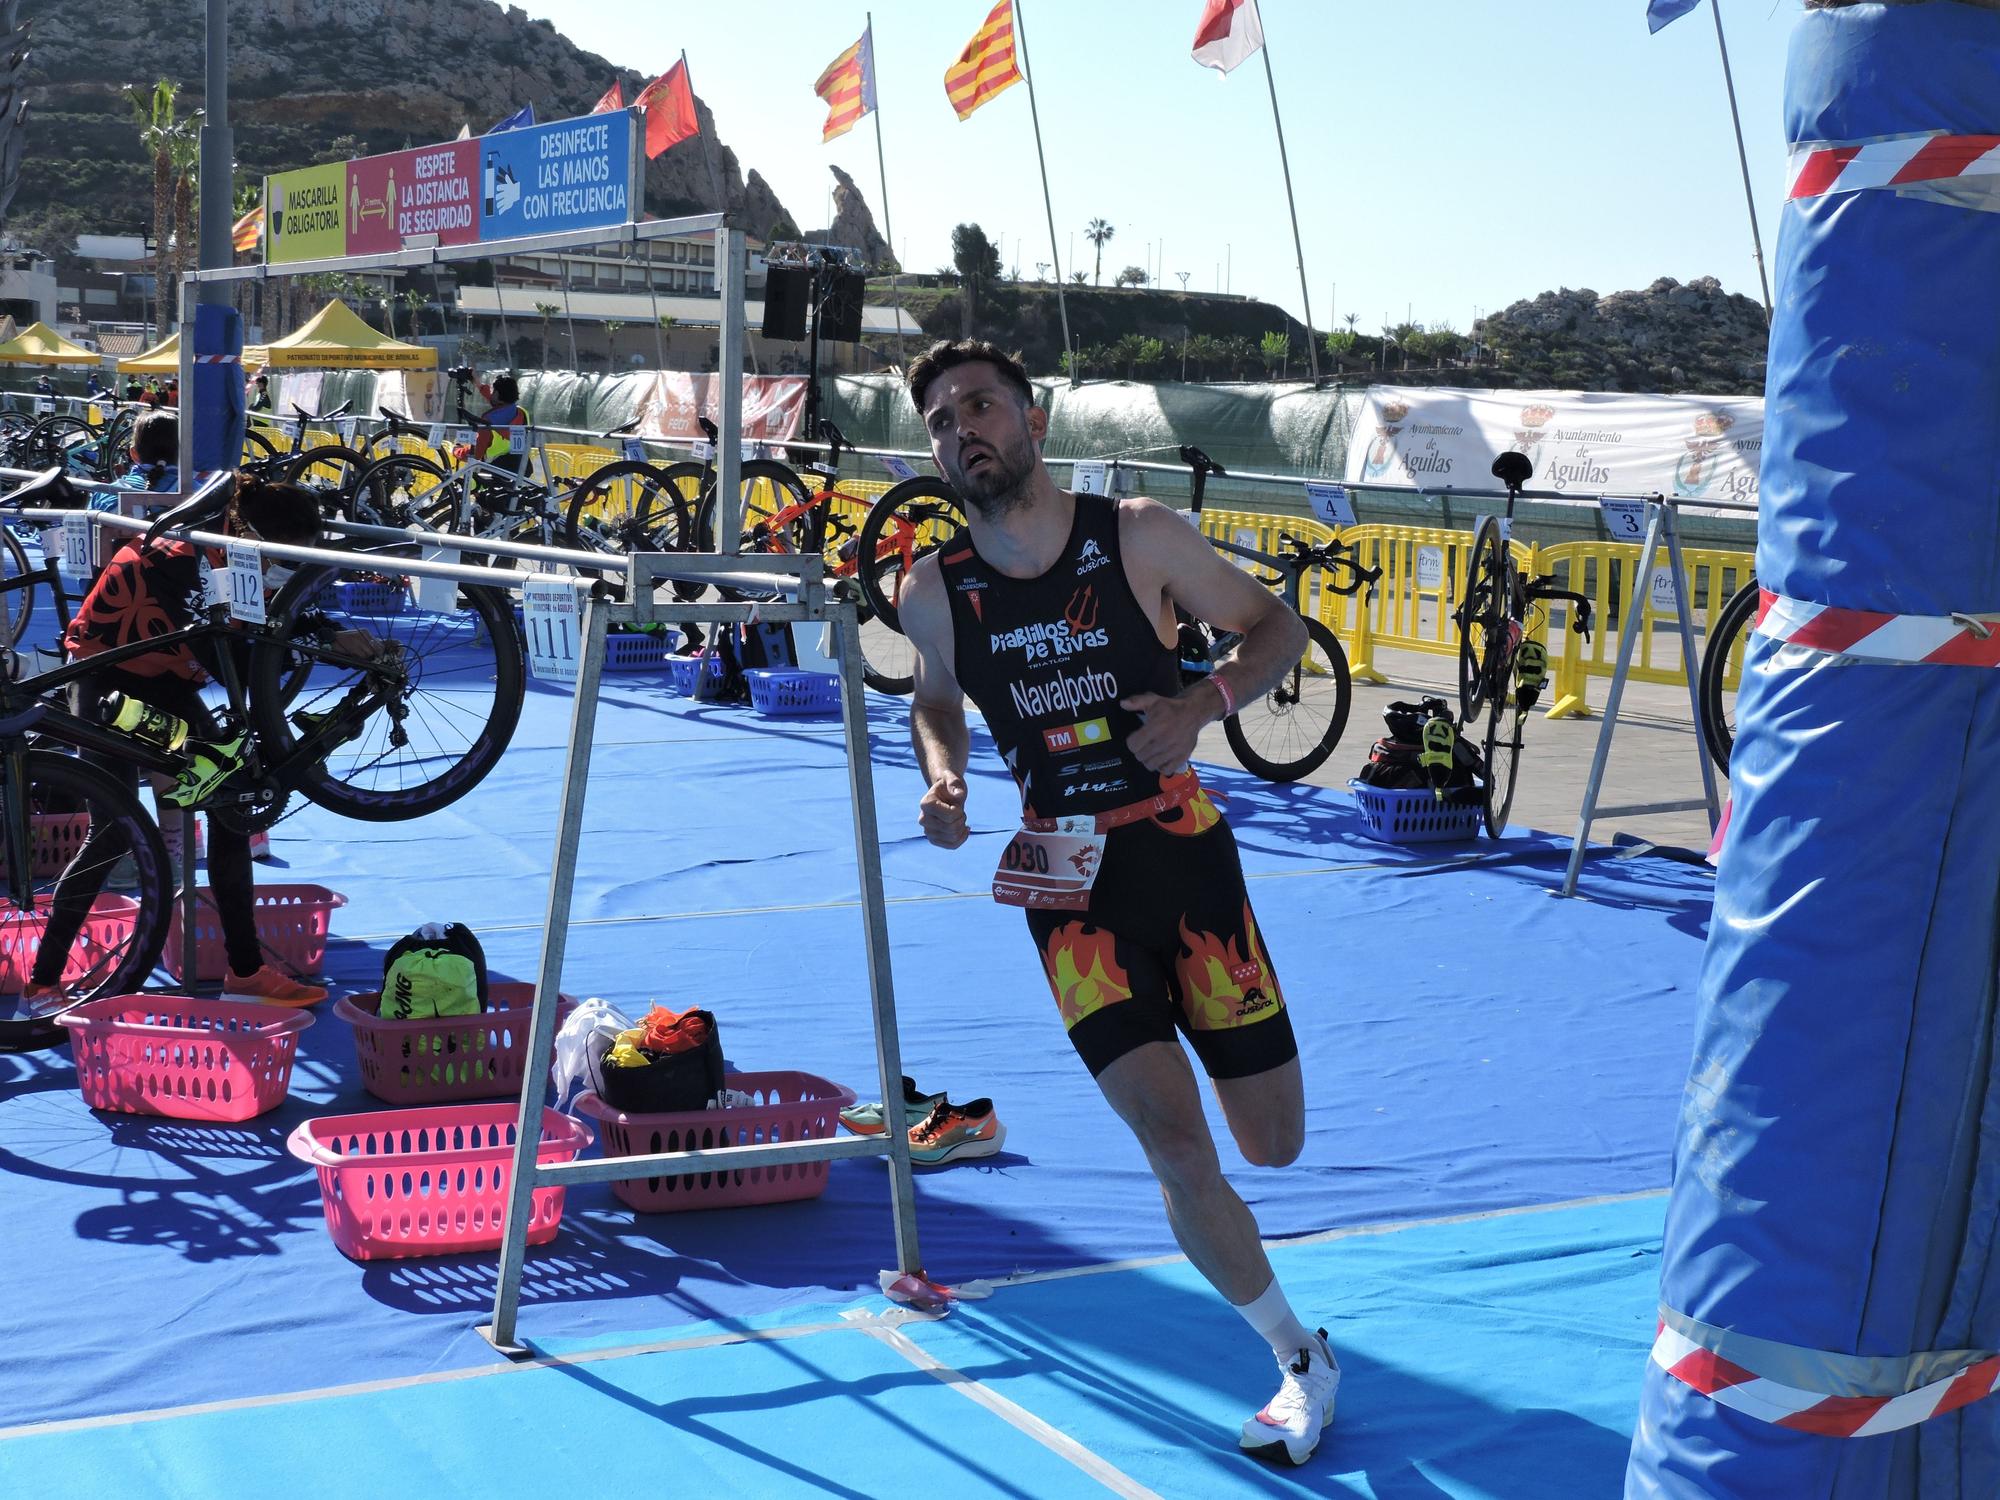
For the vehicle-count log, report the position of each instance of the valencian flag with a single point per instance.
(1230, 32)
(1661, 12)
(614, 98)
(987, 65)
(669, 106)
(249, 231)
(848, 87)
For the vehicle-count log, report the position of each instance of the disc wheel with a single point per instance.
(78, 845)
(1482, 618)
(909, 522)
(1718, 718)
(404, 733)
(1501, 745)
(1289, 731)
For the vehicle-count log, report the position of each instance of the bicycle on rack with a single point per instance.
(328, 470)
(781, 515)
(381, 737)
(1500, 670)
(1291, 730)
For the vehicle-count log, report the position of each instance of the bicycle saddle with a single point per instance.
(708, 429)
(51, 488)
(1194, 458)
(1513, 469)
(192, 514)
(626, 431)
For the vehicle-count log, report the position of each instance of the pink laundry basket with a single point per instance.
(188, 1058)
(435, 1060)
(292, 925)
(407, 1182)
(106, 931)
(786, 1107)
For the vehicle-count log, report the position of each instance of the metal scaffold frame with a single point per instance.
(804, 598)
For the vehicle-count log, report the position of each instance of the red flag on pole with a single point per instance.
(614, 98)
(1229, 33)
(669, 106)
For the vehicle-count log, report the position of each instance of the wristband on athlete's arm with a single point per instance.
(1224, 691)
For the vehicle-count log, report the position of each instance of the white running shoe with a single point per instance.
(1291, 1422)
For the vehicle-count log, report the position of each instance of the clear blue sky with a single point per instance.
(1446, 155)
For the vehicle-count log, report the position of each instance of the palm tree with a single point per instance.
(546, 311)
(184, 147)
(1097, 234)
(154, 109)
(414, 301)
(611, 327)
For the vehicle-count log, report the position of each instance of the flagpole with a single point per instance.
(1312, 348)
(707, 147)
(1062, 306)
(1743, 160)
(881, 166)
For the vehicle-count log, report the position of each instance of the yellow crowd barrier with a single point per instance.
(1606, 574)
(1412, 607)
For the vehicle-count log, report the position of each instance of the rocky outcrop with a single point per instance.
(319, 78)
(853, 224)
(1669, 337)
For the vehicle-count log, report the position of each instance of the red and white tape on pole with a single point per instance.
(1869, 635)
(1729, 1384)
(1900, 162)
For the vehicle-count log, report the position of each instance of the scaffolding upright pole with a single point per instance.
(729, 389)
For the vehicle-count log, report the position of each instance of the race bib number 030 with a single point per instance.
(1055, 869)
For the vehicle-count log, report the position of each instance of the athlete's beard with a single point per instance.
(1001, 485)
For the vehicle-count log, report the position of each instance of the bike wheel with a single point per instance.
(17, 604)
(404, 490)
(769, 490)
(1732, 629)
(627, 507)
(78, 848)
(257, 448)
(403, 735)
(910, 521)
(1291, 730)
(331, 473)
(1482, 618)
(1501, 746)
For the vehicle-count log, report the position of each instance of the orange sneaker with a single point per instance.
(269, 987)
(951, 1131)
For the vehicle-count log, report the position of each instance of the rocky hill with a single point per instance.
(1669, 337)
(318, 80)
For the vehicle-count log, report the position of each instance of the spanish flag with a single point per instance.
(248, 232)
(848, 87)
(986, 66)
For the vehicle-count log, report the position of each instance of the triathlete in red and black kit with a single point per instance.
(1167, 939)
(1054, 613)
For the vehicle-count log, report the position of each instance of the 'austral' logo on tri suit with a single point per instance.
(1090, 558)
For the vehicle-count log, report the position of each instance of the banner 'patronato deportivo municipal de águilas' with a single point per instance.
(1582, 443)
(542, 179)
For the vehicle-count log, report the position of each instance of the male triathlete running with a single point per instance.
(1055, 613)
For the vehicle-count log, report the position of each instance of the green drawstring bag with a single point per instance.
(438, 970)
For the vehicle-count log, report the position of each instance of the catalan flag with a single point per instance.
(987, 65)
(248, 232)
(848, 87)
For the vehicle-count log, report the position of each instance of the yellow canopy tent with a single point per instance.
(337, 339)
(164, 358)
(39, 344)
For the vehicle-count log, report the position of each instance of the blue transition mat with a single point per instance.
(1470, 1044)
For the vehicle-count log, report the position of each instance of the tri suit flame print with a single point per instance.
(1168, 942)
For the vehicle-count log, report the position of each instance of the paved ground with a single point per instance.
(1653, 753)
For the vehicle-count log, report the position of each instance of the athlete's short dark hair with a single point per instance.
(506, 391)
(947, 353)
